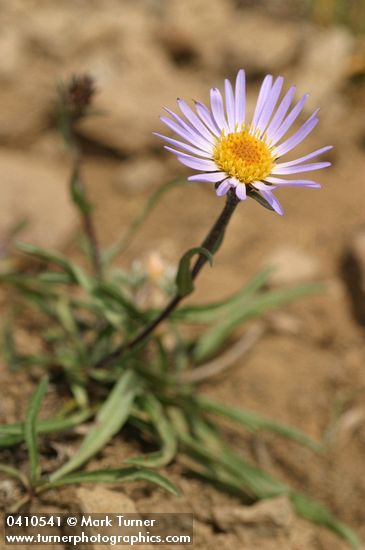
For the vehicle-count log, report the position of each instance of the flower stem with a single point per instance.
(74, 99)
(85, 212)
(210, 243)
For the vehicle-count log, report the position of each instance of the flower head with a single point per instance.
(232, 153)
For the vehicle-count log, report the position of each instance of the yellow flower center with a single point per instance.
(244, 156)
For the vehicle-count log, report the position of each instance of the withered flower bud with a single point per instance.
(78, 95)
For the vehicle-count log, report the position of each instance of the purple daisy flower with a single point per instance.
(232, 153)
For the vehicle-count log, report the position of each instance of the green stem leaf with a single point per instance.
(121, 475)
(254, 422)
(12, 472)
(109, 420)
(184, 278)
(30, 431)
(165, 432)
(316, 513)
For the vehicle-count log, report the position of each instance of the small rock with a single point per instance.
(36, 190)
(101, 500)
(139, 174)
(292, 265)
(275, 512)
(349, 423)
(284, 323)
(9, 491)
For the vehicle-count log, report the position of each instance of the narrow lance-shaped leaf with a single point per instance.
(122, 475)
(316, 513)
(111, 293)
(109, 420)
(12, 472)
(184, 279)
(78, 195)
(78, 275)
(211, 311)
(30, 430)
(9, 350)
(254, 421)
(215, 337)
(13, 434)
(47, 425)
(254, 481)
(165, 432)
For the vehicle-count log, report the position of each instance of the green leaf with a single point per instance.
(63, 116)
(184, 280)
(214, 338)
(10, 440)
(74, 271)
(213, 453)
(12, 434)
(30, 430)
(254, 422)
(17, 228)
(66, 317)
(165, 433)
(316, 513)
(213, 310)
(111, 293)
(48, 425)
(109, 420)
(120, 246)
(121, 475)
(253, 480)
(220, 480)
(9, 350)
(12, 472)
(78, 195)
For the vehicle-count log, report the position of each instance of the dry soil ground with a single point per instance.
(308, 368)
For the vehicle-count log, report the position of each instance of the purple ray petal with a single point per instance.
(270, 104)
(229, 105)
(210, 177)
(218, 109)
(281, 112)
(223, 188)
(240, 98)
(293, 183)
(193, 162)
(263, 94)
(184, 146)
(207, 118)
(297, 169)
(185, 134)
(298, 137)
(306, 157)
(178, 130)
(198, 138)
(241, 191)
(194, 120)
(263, 186)
(273, 201)
(289, 120)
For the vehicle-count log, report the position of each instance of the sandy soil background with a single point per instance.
(308, 368)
